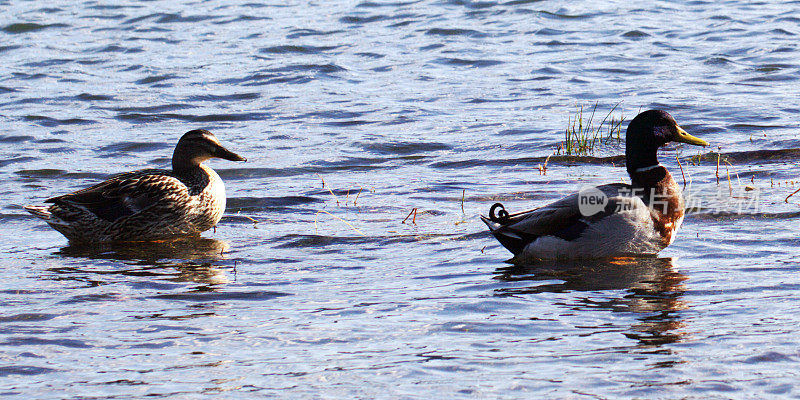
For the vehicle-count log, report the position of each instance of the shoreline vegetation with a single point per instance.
(582, 136)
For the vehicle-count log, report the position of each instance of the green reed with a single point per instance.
(582, 136)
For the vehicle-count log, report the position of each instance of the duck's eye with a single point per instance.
(663, 131)
(209, 147)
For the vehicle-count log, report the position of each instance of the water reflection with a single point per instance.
(198, 248)
(651, 287)
(183, 260)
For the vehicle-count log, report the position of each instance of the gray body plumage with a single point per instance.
(559, 230)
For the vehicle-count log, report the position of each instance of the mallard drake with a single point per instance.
(609, 220)
(149, 204)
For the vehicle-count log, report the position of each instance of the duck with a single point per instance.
(614, 220)
(148, 204)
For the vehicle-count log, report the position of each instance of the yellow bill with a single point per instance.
(685, 137)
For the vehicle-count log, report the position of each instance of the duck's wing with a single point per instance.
(562, 218)
(126, 194)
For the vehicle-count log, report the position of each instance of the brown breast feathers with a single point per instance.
(660, 192)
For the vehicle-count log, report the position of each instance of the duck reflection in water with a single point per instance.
(194, 258)
(652, 287)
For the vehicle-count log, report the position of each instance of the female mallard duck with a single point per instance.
(609, 220)
(150, 204)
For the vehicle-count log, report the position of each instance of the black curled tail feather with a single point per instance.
(498, 213)
(498, 217)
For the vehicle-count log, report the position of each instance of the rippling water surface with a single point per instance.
(354, 114)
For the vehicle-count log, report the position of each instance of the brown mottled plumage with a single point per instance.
(150, 204)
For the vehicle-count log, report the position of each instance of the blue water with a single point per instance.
(351, 116)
